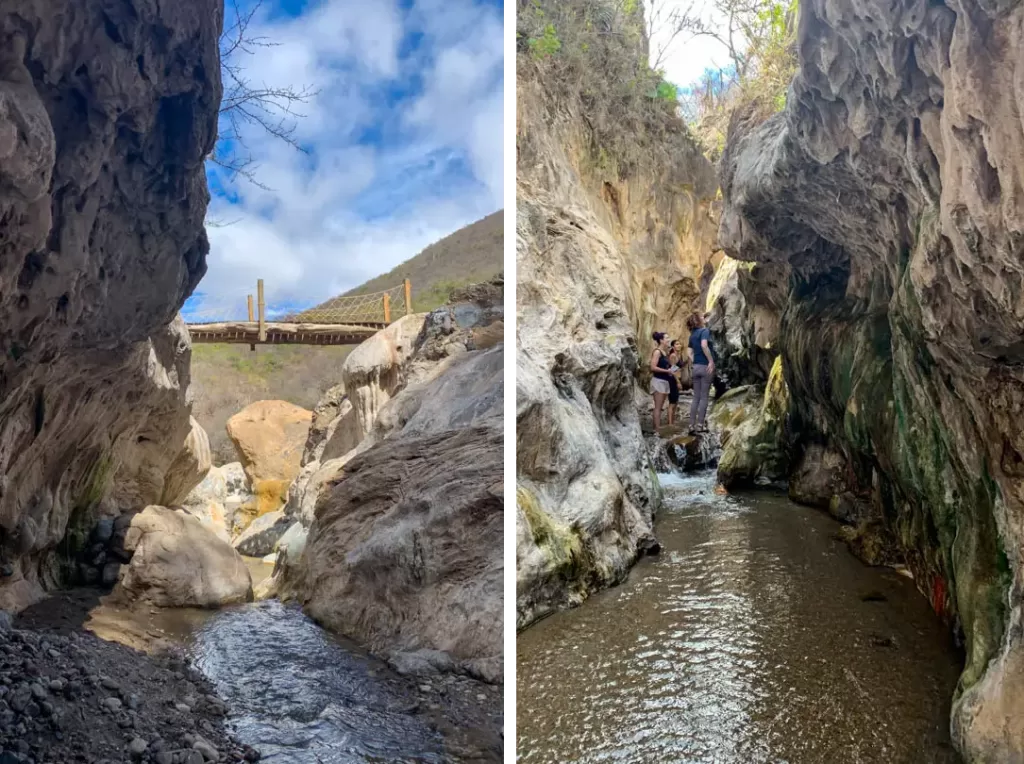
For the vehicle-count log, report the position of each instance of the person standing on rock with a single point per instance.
(702, 357)
(673, 380)
(660, 375)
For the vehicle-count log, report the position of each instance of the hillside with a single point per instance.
(226, 378)
(469, 255)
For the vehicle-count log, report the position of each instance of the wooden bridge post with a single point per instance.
(252, 318)
(263, 310)
(387, 308)
(408, 297)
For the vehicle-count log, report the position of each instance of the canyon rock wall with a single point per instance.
(398, 542)
(106, 115)
(614, 239)
(889, 197)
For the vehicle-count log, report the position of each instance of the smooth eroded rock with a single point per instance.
(176, 562)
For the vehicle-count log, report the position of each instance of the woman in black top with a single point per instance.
(673, 382)
(659, 365)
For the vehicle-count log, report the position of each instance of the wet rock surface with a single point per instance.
(177, 562)
(887, 197)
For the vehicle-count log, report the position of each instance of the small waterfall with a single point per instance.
(672, 449)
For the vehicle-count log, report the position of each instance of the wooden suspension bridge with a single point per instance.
(346, 320)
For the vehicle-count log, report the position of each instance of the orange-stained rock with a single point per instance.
(269, 437)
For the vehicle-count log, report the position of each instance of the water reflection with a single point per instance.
(747, 641)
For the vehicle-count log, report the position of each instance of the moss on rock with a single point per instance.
(758, 450)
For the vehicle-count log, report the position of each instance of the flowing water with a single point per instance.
(301, 696)
(754, 637)
(295, 692)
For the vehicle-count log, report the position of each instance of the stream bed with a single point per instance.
(294, 692)
(755, 636)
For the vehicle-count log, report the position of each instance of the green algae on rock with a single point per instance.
(758, 450)
(887, 195)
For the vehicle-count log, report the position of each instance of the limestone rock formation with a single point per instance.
(372, 374)
(398, 543)
(758, 451)
(189, 467)
(107, 113)
(888, 196)
(269, 437)
(612, 243)
(216, 501)
(327, 415)
(176, 562)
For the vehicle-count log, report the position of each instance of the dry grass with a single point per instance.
(227, 378)
(468, 256)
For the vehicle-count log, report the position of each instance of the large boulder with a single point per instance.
(270, 437)
(261, 535)
(397, 543)
(176, 562)
(104, 129)
(416, 562)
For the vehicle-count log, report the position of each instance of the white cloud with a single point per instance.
(350, 210)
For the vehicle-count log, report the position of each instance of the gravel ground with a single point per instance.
(76, 698)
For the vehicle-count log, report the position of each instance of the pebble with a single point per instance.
(38, 692)
(183, 707)
(206, 748)
(425, 688)
(163, 757)
(137, 747)
(481, 696)
(112, 704)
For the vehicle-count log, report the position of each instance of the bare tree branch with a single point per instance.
(246, 105)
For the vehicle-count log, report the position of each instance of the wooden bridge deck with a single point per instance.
(248, 333)
(342, 321)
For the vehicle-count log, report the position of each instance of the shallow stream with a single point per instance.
(754, 637)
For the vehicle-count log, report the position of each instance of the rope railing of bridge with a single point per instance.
(372, 308)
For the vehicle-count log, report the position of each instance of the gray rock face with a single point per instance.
(106, 115)
(608, 249)
(888, 194)
(260, 538)
(416, 509)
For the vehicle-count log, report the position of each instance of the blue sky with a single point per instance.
(403, 146)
